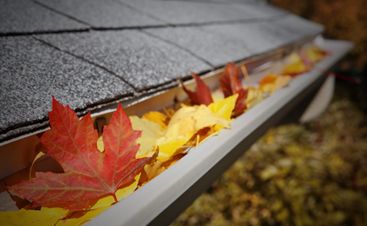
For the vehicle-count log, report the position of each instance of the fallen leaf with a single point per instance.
(87, 216)
(224, 107)
(183, 125)
(201, 95)
(230, 83)
(89, 174)
(38, 156)
(150, 171)
(272, 82)
(157, 117)
(101, 205)
(295, 65)
(43, 217)
(151, 131)
(312, 54)
(254, 96)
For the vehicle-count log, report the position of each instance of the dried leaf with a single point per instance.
(89, 174)
(254, 96)
(183, 125)
(230, 83)
(157, 117)
(295, 65)
(151, 131)
(272, 82)
(42, 217)
(202, 95)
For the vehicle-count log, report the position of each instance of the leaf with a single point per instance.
(254, 96)
(230, 83)
(87, 216)
(295, 65)
(100, 206)
(88, 174)
(157, 117)
(202, 95)
(185, 123)
(312, 54)
(38, 156)
(42, 217)
(272, 82)
(223, 108)
(151, 131)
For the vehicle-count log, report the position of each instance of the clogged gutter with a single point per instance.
(165, 137)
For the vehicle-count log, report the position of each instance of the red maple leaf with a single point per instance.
(230, 83)
(202, 95)
(88, 174)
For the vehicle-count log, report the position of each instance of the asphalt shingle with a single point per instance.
(102, 14)
(144, 61)
(31, 72)
(217, 49)
(24, 16)
(297, 27)
(191, 12)
(265, 36)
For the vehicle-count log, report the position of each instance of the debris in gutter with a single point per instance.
(170, 135)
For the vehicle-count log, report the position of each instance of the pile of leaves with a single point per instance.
(314, 174)
(102, 168)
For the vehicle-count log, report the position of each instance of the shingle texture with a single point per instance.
(102, 14)
(91, 53)
(213, 48)
(25, 16)
(141, 60)
(31, 73)
(194, 12)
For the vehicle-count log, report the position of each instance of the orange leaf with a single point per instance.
(88, 174)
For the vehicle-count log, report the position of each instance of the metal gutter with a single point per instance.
(163, 198)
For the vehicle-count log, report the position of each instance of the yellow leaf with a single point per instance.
(294, 65)
(153, 170)
(42, 217)
(314, 53)
(254, 96)
(271, 83)
(83, 219)
(224, 107)
(151, 131)
(157, 117)
(185, 123)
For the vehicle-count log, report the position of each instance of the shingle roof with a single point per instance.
(90, 52)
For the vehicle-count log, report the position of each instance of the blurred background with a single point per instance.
(304, 174)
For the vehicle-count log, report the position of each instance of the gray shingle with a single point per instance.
(140, 59)
(102, 14)
(255, 35)
(25, 16)
(31, 72)
(297, 27)
(260, 37)
(188, 12)
(217, 49)
(260, 10)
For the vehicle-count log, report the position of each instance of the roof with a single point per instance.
(90, 53)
